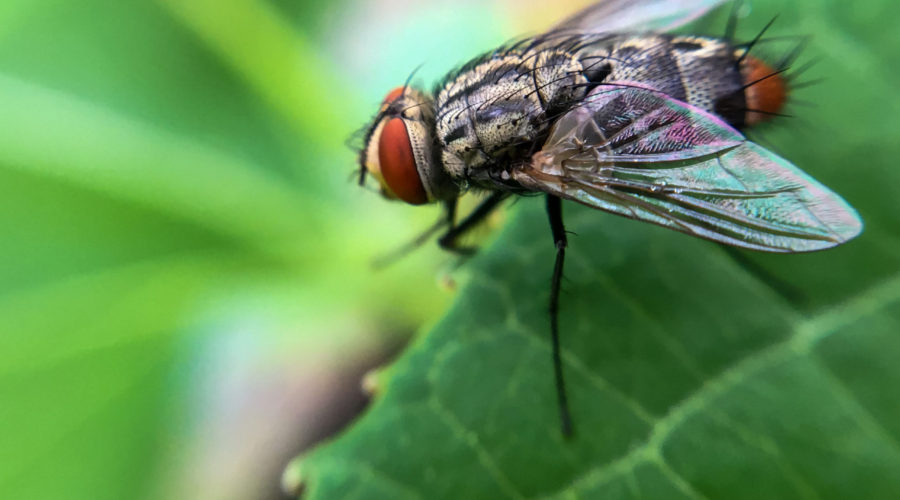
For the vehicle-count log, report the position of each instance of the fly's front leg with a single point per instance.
(449, 241)
(554, 212)
(448, 218)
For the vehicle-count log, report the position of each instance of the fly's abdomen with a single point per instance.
(705, 72)
(493, 113)
(699, 71)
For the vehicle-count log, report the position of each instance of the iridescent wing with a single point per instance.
(616, 16)
(633, 151)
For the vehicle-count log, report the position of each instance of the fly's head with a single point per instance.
(400, 150)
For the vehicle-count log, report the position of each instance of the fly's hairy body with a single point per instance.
(498, 109)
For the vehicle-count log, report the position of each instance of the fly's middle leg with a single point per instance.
(554, 212)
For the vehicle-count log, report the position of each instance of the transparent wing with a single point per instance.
(614, 16)
(637, 152)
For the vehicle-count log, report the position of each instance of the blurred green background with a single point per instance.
(187, 298)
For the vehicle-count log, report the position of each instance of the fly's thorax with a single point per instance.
(400, 150)
(493, 113)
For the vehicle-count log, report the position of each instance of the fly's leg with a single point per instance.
(554, 212)
(447, 219)
(397, 254)
(449, 240)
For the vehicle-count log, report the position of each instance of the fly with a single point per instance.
(609, 111)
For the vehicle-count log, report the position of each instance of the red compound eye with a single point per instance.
(393, 95)
(398, 163)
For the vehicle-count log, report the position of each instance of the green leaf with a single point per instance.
(685, 372)
(691, 374)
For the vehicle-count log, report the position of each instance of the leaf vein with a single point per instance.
(470, 439)
(805, 336)
(866, 420)
(679, 481)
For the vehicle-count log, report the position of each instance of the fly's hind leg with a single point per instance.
(554, 212)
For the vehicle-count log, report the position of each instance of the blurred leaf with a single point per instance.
(275, 60)
(121, 158)
(690, 375)
(84, 376)
(145, 189)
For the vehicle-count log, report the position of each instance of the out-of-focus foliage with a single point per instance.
(174, 180)
(690, 374)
